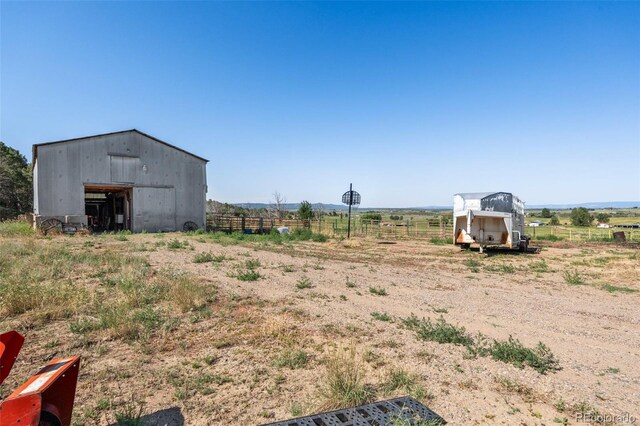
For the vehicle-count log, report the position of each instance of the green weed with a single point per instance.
(381, 316)
(378, 291)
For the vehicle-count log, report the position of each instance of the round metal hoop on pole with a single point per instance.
(350, 198)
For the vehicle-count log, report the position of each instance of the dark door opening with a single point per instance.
(108, 208)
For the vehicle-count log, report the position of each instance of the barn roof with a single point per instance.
(116, 133)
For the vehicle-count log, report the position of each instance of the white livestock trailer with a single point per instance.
(489, 219)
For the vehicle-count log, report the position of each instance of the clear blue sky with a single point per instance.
(413, 102)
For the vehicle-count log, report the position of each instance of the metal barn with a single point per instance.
(125, 180)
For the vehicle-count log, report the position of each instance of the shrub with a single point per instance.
(370, 216)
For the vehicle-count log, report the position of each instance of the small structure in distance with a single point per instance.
(489, 219)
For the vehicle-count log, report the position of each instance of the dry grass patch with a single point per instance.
(344, 383)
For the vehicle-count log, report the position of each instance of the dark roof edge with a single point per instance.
(118, 132)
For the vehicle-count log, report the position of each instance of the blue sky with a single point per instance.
(412, 102)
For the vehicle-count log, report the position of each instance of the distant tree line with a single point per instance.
(16, 190)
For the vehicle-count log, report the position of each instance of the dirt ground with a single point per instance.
(592, 327)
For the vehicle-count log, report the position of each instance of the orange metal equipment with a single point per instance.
(46, 399)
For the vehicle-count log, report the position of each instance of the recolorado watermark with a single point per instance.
(598, 418)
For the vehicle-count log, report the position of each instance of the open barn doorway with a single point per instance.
(108, 208)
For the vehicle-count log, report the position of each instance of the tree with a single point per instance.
(554, 221)
(581, 217)
(16, 190)
(370, 216)
(305, 211)
(603, 218)
(278, 204)
(545, 213)
(318, 211)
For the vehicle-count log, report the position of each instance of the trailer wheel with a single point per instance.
(523, 246)
(465, 246)
(190, 226)
(51, 225)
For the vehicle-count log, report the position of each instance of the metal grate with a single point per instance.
(381, 413)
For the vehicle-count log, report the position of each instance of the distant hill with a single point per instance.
(341, 207)
(291, 206)
(590, 205)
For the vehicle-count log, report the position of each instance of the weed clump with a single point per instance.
(540, 358)
(573, 278)
(439, 331)
(381, 316)
(378, 291)
(249, 275)
(204, 257)
(15, 228)
(292, 358)
(303, 283)
(344, 384)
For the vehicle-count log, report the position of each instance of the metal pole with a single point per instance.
(350, 202)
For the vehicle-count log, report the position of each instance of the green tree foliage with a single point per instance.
(546, 213)
(603, 217)
(305, 211)
(581, 217)
(370, 216)
(16, 191)
(554, 221)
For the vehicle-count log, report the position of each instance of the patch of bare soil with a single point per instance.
(223, 365)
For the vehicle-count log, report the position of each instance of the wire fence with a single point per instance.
(575, 233)
(423, 228)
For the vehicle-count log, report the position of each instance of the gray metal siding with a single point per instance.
(154, 209)
(124, 158)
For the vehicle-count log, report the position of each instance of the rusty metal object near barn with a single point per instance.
(117, 181)
(404, 409)
(350, 198)
(46, 399)
(489, 219)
